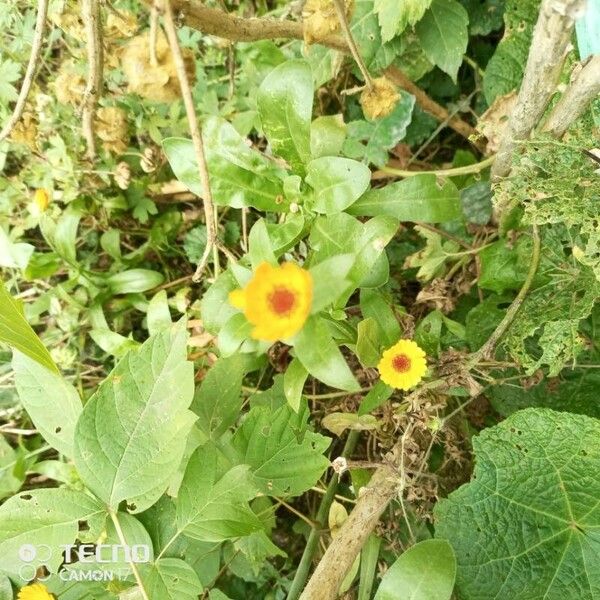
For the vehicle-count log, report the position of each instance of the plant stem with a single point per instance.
(36, 48)
(315, 535)
(453, 172)
(340, 7)
(487, 350)
(90, 13)
(123, 541)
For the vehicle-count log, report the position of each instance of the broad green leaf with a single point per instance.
(395, 15)
(10, 479)
(218, 399)
(330, 279)
(284, 457)
(377, 395)
(235, 331)
(365, 30)
(337, 183)
(260, 249)
(44, 517)
(320, 356)
(484, 16)
(212, 504)
(170, 579)
(421, 198)
(215, 308)
(14, 255)
(369, 342)
(444, 35)
(338, 422)
(369, 557)
(16, 331)
(374, 305)
(284, 235)
(293, 383)
(536, 488)
(53, 404)
(504, 267)
(504, 70)
(425, 571)
(476, 202)
(327, 135)
(6, 592)
(369, 141)
(239, 175)
(284, 102)
(429, 331)
(134, 281)
(132, 433)
(158, 315)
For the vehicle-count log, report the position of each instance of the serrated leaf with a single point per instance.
(321, 357)
(17, 333)
(132, 433)
(420, 198)
(53, 405)
(444, 35)
(426, 571)
(535, 487)
(285, 458)
(170, 579)
(396, 15)
(44, 517)
(212, 504)
(239, 175)
(218, 399)
(284, 102)
(337, 183)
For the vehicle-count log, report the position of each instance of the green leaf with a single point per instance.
(377, 395)
(215, 307)
(260, 249)
(421, 198)
(239, 175)
(395, 15)
(284, 103)
(284, 235)
(505, 267)
(170, 579)
(233, 334)
(218, 400)
(370, 141)
(369, 342)
(338, 422)
(320, 356)
(16, 331)
(6, 592)
(14, 255)
(134, 281)
(429, 331)
(293, 383)
(158, 315)
(535, 487)
(477, 202)
(11, 476)
(47, 517)
(285, 458)
(374, 305)
(484, 17)
(212, 504)
(426, 571)
(444, 35)
(504, 70)
(330, 279)
(53, 405)
(132, 433)
(337, 183)
(327, 135)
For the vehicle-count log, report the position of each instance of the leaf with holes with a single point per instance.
(526, 526)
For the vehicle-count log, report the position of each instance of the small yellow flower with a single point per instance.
(277, 301)
(41, 199)
(35, 591)
(403, 365)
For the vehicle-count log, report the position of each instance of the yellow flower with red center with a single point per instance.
(35, 591)
(277, 301)
(403, 365)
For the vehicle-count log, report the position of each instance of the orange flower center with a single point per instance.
(282, 301)
(401, 363)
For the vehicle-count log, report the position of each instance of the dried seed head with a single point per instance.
(111, 128)
(380, 100)
(159, 82)
(321, 19)
(25, 131)
(122, 175)
(149, 160)
(121, 25)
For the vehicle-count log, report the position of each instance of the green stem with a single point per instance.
(315, 534)
(454, 172)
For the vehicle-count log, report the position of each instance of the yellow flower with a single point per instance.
(35, 591)
(403, 365)
(41, 199)
(277, 301)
